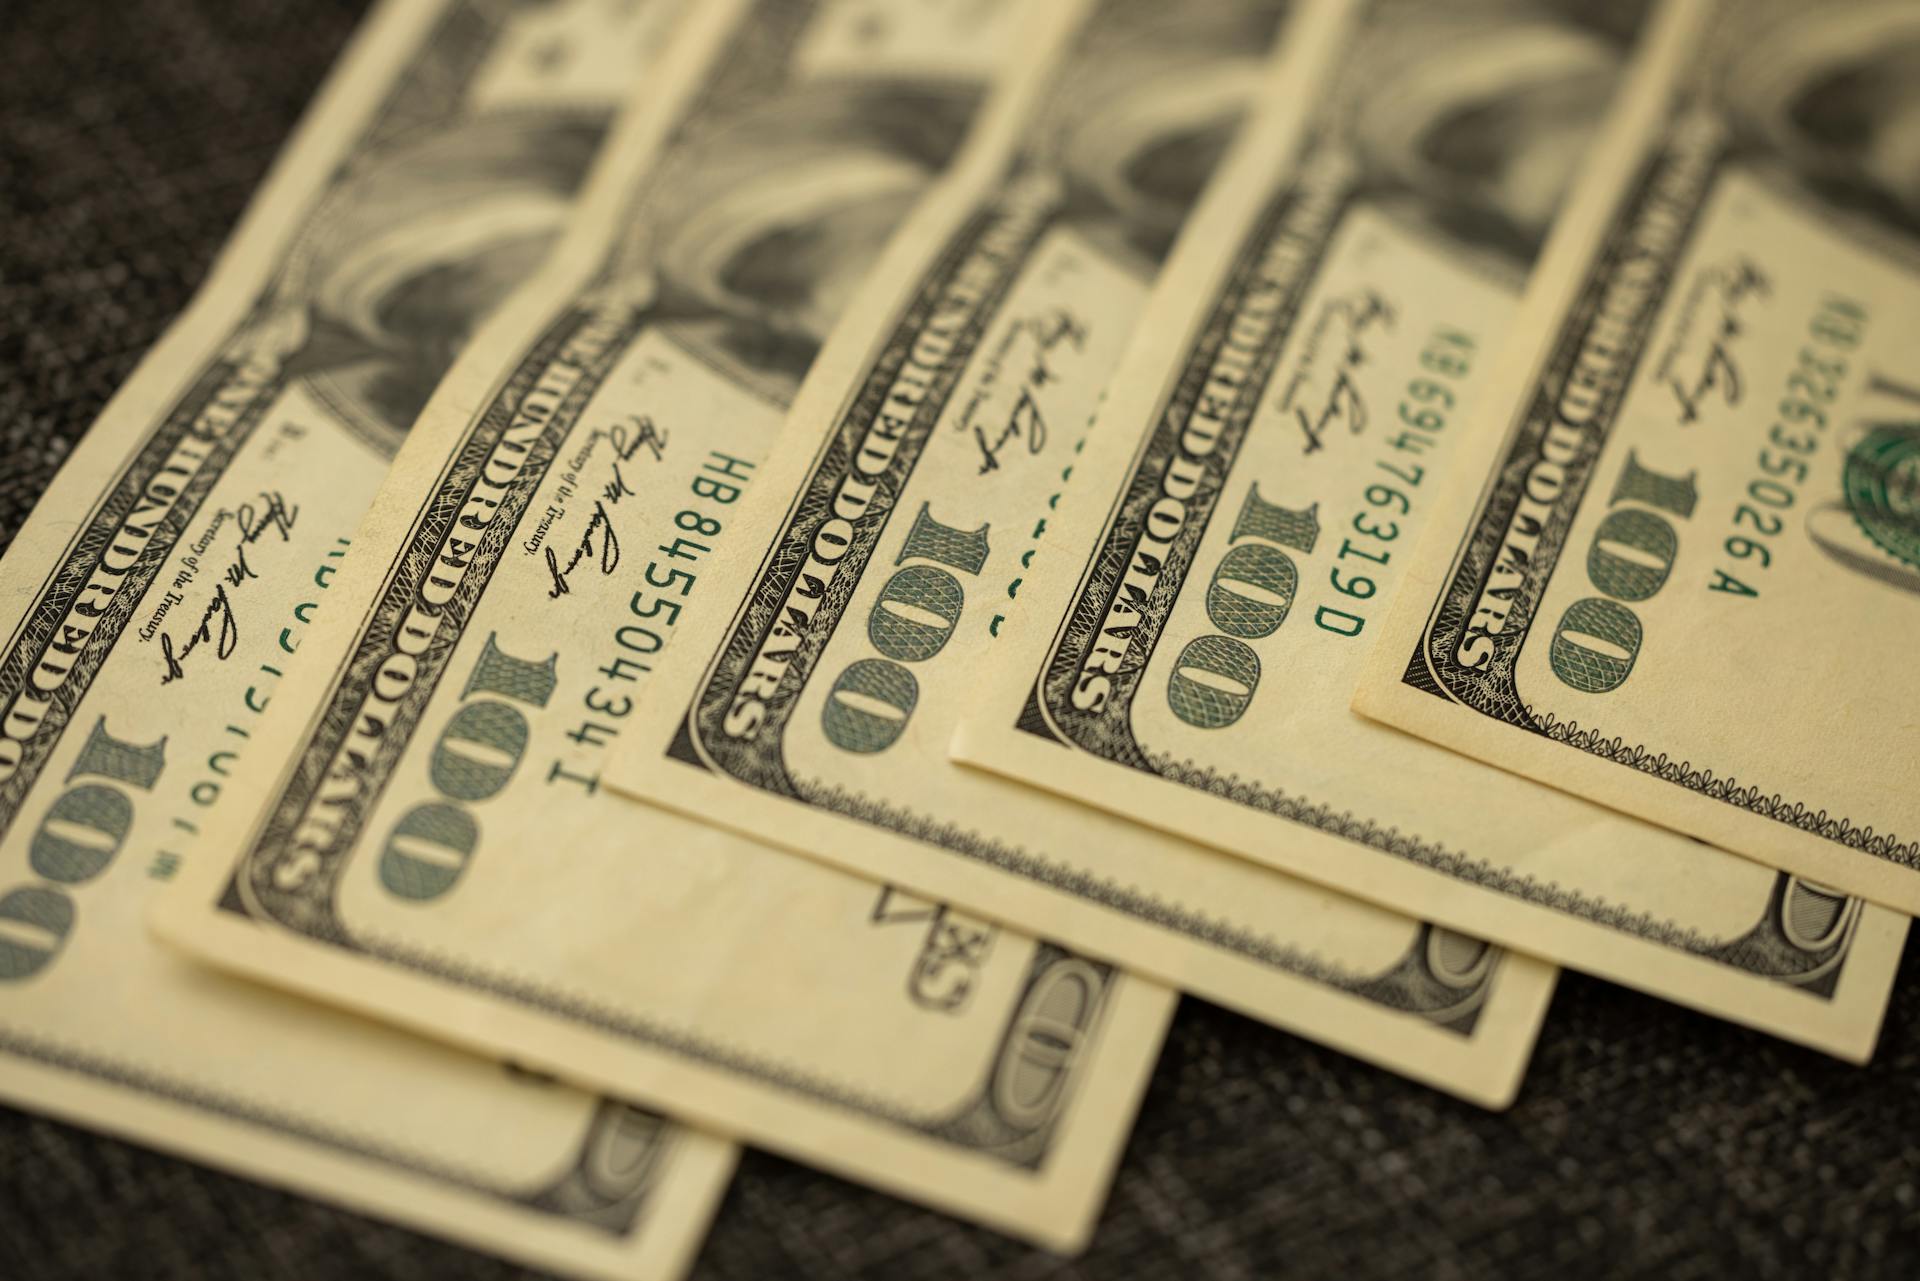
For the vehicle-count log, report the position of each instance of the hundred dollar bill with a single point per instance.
(876, 569)
(1241, 517)
(167, 579)
(428, 840)
(1681, 572)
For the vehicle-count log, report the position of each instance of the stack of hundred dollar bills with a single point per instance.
(797, 569)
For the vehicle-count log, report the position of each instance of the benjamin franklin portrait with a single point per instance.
(1142, 112)
(756, 233)
(1828, 96)
(411, 250)
(1472, 118)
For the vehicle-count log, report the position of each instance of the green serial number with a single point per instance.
(1796, 432)
(1426, 407)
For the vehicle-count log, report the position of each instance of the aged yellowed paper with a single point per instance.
(429, 840)
(1241, 519)
(170, 575)
(1680, 572)
(875, 572)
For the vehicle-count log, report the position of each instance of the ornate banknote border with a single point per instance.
(1766, 949)
(588, 339)
(1002, 234)
(311, 909)
(579, 1194)
(1676, 182)
(145, 510)
(218, 412)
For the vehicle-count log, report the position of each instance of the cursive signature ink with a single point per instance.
(626, 441)
(277, 517)
(220, 607)
(1026, 421)
(608, 552)
(626, 444)
(1717, 368)
(217, 622)
(1343, 399)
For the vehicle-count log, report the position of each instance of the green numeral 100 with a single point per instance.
(476, 755)
(1633, 552)
(80, 835)
(1252, 590)
(869, 706)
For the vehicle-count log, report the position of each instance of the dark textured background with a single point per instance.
(1647, 1141)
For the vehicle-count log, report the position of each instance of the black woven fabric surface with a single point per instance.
(1648, 1140)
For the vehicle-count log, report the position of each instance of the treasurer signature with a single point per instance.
(218, 626)
(1353, 318)
(598, 541)
(1026, 422)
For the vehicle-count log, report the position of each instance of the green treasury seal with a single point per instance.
(1881, 484)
